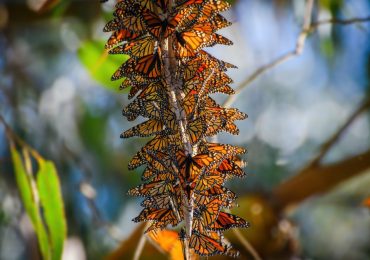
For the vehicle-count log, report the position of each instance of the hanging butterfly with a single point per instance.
(166, 216)
(205, 245)
(120, 36)
(148, 128)
(152, 189)
(138, 48)
(206, 214)
(226, 221)
(148, 66)
(162, 27)
(128, 18)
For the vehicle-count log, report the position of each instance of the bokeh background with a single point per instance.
(56, 94)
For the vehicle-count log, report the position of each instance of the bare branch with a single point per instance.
(140, 247)
(11, 135)
(307, 28)
(341, 21)
(247, 245)
(325, 148)
(316, 180)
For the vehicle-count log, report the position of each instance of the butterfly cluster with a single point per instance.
(171, 79)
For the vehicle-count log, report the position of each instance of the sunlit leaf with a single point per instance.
(100, 65)
(52, 203)
(29, 199)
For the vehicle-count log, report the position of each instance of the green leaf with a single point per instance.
(52, 203)
(100, 65)
(29, 199)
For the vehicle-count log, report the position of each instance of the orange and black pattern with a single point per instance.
(184, 173)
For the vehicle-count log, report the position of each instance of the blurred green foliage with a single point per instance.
(99, 64)
(43, 202)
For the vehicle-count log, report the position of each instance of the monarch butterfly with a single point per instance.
(228, 199)
(161, 161)
(137, 160)
(205, 245)
(137, 48)
(226, 150)
(216, 190)
(187, 43)
(148, 66)
(191, 17)
(166, 216)
(189, 102)
(189, 69)
(161, 201)
(158, 143)
(153, 110)
(189, 2)
(152, 188)
(148, 128)
(137, 81)
(163, 4)
(148, 173)
(119, 36)
(217, 22)
(226, 221)
(155, 226)
(201, 159)
(209, 59)
(212, 7)
(162, 28)
(128, 18)
(228, 167)
(191, 169)
(196, 129)
(206, 214)
(208, 181)
(218, 39)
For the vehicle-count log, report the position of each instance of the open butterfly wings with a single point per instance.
(172, 176)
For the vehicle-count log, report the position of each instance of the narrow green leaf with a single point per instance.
(52, 203)
(100, 65)
(29, 199)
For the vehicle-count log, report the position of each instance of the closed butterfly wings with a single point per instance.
(175, 176)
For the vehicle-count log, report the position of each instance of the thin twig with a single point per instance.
(13, 136)
(247, 245)
(340, 21)
(314, 181)
(139, 248)
(325, 148)
(307, 28)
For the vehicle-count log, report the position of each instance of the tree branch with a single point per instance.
(340, 21)
(325, 148)
(248, 246)
(315, 180)
(11, 135)
(307, 28)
